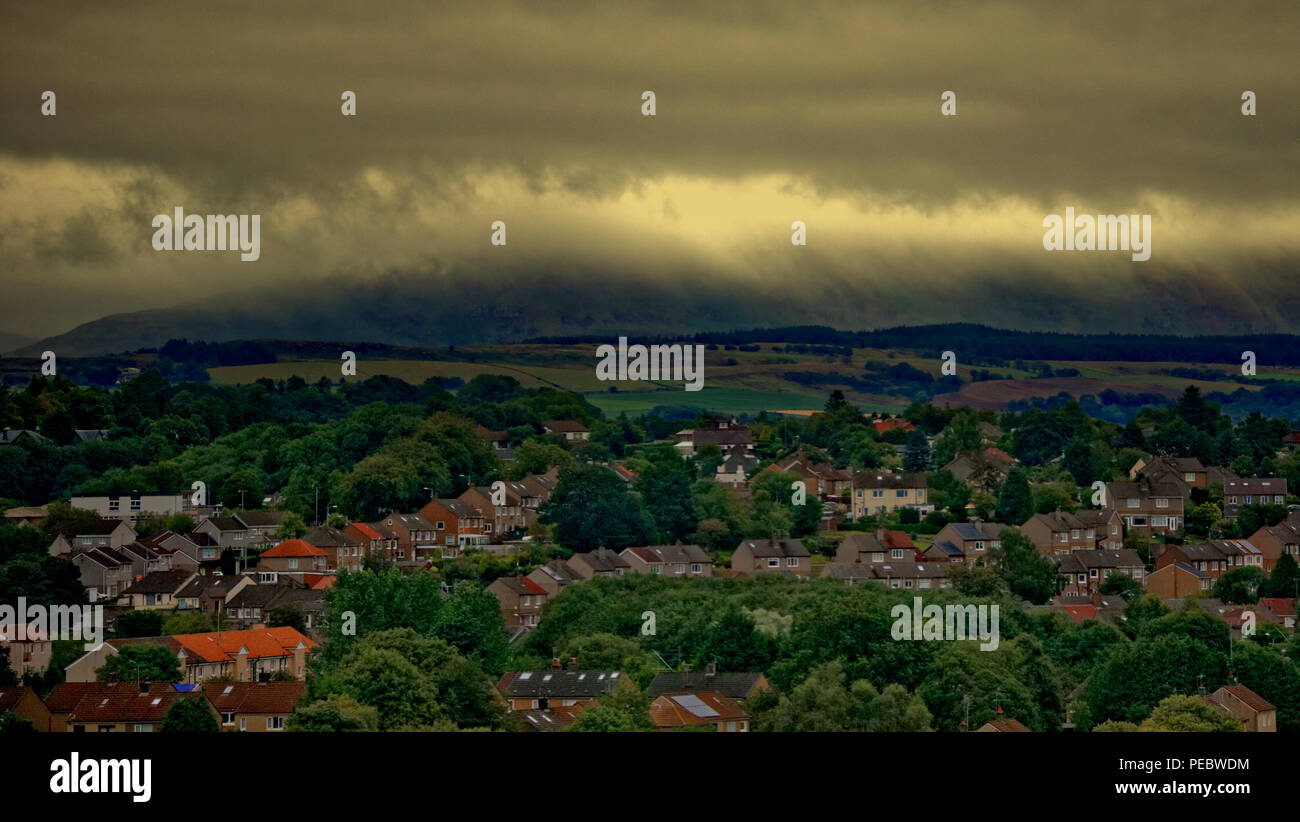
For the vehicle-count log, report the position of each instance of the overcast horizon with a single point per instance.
(826, 113)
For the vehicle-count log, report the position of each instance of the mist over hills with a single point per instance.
(512, 305)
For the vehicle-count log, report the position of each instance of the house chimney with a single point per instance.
(555, 663)
(144, 687)
(711, 670)
(573, 663)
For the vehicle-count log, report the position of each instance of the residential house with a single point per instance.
(342, 550)
(1252, 491)
(499, 519)
(1059, 532)
(878, 492)
(1187, 470)
(890, 423)
(672, 712)
(245, 656)
(228, 532)
(31, 515)
(1178, 580)
(261, 526)
(416, 537)
(27, 654)
(131, 505)
(1255, 713)
(457, 525)
(207, 593)
(294, 556)
(155, 591)
(199, 548)
(1276, 540)
(766, 556)
(371, 541)
(104, 572)
(1083, 572)
(571, 431)
(1148, 507)
(967, 542)
(554, 576)
(730, 436)
(521, 600)
(1214, 557)
(104, 533)
(669, 560)
(25, 703)
(250, 607)
(9, 436)
(254, 707)
(733, 685)
(121, 707)
(392, 540)
(555, 688)
(601, 562)
(1002, 726)
(1106, 525)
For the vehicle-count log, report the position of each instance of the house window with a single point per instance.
(680, 568)
(275, 723)
(792, 562)
(893, 583)
(1132, 502)
(293, 564)
(657, 569)
(243, 723)
(438, 526)
(1189, 477)
(907, 583)
(1083, 578)
(877, 493)
(979, 546)
(1092, 572)
(897, 553)
(774, 563)
(143, 727)
(696, 568)
(1162, 502)
(902, 492)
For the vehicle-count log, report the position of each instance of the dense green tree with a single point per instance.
(1027, 573)
(139, 623)
(335, 713)
(1179, 713)
(189, 715)
(592, 508)
(1015, 501)
(152, 663)
(1239, 585)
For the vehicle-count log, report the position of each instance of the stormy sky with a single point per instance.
(767, 113)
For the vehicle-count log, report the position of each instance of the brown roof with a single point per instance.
(111, 701)
(254, 697)
(700, 708)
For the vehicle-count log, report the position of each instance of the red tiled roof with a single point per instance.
(263, 642)
(668, 713)
(1080, 613)
(532, 587)
(897, 539)
(254, 697)
(1279, 605)
(295, 548)
(111, 701)
(319, 582)
(882, 426)
(1249, 697)
(365, 530)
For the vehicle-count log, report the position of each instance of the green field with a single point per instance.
(737, 382)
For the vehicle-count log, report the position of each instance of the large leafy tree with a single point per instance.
(1181, 713)
(143, 662)
(1015, 500)
(189, 715)
(592, 508)
(1027, 573)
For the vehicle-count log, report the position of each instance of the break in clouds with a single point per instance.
(766, 114)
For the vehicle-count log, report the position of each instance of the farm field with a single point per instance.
(747, 382)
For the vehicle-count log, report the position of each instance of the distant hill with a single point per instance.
(9, 342)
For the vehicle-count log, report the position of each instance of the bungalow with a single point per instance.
(767, 556)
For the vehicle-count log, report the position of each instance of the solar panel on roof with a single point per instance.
(695, 705)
